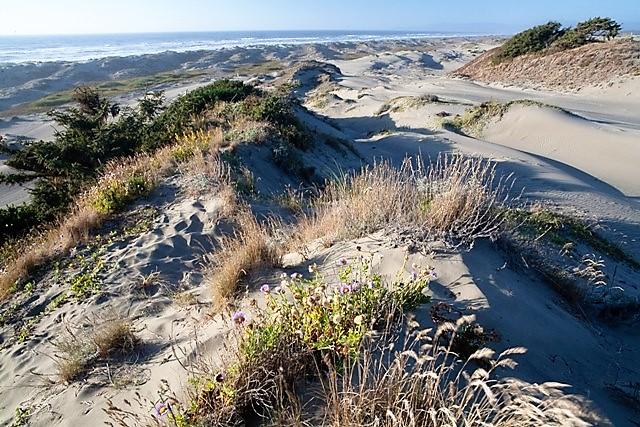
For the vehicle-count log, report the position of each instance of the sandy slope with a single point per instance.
(182, 230)
(604, 151)
(563, 345)
(583, 165)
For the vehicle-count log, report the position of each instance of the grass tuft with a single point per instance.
(247, 249)
(454, 198)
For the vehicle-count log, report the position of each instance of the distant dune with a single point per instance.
(590, 65)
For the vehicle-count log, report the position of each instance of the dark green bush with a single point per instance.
(598, 28)
(180, 115)
(552, 35)
(570, 40)
(95, 132)
(529, 41)
(586, 32)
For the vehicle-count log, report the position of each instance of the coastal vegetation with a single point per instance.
(108, 89)
(474, 119)
(92, 134)
(552, 37)
(105, 158)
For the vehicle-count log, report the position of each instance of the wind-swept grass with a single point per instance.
(455, 198)
(250, 247)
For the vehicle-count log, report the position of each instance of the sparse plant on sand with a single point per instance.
(420, 382)
(341, 345)
(250, 247)
(105, 340)
(454, 198)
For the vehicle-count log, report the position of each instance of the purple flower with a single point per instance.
(355, 286)
(239, 318)
(161, 409)
(414, 275)
(265, 289)
(342, 262)
(345, 289)
(370, 284)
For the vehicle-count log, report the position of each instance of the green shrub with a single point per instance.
(276, 110)
(529, 41)
(117, 194)
(570, 40)
(95, 132)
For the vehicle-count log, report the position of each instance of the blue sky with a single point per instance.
(114, 16)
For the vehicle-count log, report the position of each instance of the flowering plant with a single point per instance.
(334, 316)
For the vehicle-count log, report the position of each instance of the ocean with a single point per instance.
(21, 49)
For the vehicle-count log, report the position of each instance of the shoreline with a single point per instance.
(29, 82)
(242, 42)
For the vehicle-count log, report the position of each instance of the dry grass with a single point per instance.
(79, 350)
(92, 208)
(454, 198)
(593, 64)
(114, 338)
(247, 249)
(462, 199)
(424, 384)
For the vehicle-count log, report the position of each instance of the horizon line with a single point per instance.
(238, 31)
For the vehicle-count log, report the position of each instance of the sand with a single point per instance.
(580, 161)
(602, 150)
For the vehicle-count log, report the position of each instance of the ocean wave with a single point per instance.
(25, 49)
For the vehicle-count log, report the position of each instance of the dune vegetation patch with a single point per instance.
(454, 198)
(553, 37)
(79, 350)
(474, 120)
(556, 67)
(575, 258)
(405, 103)
(264, 67)
(336, 354)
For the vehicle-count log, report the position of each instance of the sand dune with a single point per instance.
(603, 151)
(378, 105)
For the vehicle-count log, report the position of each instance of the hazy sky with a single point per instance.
(116, 16)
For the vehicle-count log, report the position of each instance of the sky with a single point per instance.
(20, 17)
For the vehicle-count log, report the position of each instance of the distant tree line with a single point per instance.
(552, 37)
